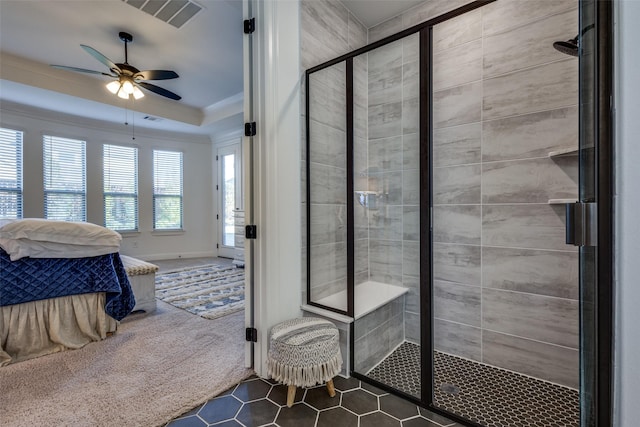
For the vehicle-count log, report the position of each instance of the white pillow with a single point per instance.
(75, 233)
(5, 221)
(20, 248)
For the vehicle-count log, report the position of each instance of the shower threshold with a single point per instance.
(484, 394)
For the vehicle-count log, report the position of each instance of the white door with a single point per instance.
(229, 159)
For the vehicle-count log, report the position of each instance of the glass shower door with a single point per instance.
(587, 199)
(327, 243)
(591, 229)
(386, 217)
(505, 291)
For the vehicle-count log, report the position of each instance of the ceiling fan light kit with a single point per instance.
(129, 78)
(124, 88)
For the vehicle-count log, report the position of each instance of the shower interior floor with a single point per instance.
(484, 394)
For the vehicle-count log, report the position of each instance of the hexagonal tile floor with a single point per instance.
(257, 402)
(487, 395)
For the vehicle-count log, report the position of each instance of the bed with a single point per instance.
(61, 287)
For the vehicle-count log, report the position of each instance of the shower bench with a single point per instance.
(374, 303)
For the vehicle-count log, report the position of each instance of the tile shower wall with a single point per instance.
(505, 283)
(377, 334)
(328, 172)
(393, 174)
(329, 30)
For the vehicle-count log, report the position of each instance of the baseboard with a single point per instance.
(175, 255)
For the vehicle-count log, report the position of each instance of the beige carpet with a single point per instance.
(153, 369)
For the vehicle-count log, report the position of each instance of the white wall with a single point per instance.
(276, 202)
(199, 236)
(627, 387)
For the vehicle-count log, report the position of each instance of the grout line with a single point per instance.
(532, 21)
(487, 162)
(484, 78)
(530, 293)
(457, 323)
(507, 247)
(547, 110)
(529, 68)
(512, 116)
(545, 203)
(534, 340)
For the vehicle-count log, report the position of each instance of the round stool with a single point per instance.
(304, 352)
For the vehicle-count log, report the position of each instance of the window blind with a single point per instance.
(167, 190)
(120, 177)
(10, 173)
(64, 179)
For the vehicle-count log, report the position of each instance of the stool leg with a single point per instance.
(330, 388)
(291, 395)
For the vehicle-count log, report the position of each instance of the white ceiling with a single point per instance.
(373, 12)
(206, 52)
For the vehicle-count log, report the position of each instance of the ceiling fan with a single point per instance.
(129, 78)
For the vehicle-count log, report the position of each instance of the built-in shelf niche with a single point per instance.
(564, 152)
(561, 201)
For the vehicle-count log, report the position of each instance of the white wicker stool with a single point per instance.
(304, 352)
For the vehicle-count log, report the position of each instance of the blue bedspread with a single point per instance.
(32, 279)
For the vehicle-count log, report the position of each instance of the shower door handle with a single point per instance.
(570, 232)
(581, 223)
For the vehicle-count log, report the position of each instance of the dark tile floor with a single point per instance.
(490, 396)
(257, 402)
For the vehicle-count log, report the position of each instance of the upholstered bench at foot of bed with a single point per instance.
(142, 276)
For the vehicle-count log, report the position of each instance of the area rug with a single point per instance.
(209, 291)
(156, 367)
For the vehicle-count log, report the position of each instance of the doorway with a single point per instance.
(229, 197)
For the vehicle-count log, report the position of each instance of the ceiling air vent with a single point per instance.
(174, 12)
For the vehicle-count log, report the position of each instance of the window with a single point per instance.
(120, 177)
(10, 173)
(64, 179)
(167, 190)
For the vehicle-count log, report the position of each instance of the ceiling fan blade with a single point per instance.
(156, 75)
(159, 90)
(82, 70)
(100, 57)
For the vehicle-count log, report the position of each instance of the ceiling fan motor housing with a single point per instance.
(128, 70)
(125, 37)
